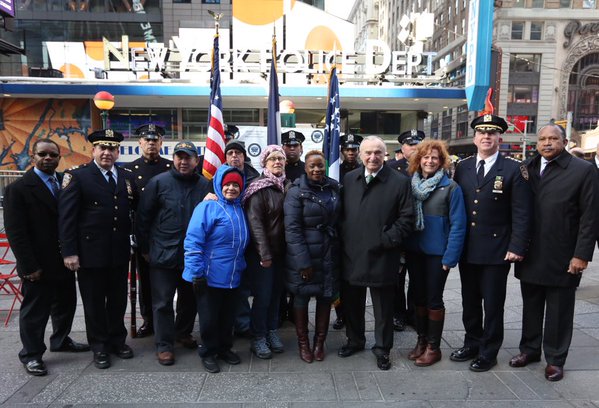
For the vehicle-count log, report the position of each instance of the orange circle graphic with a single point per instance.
(259, 12)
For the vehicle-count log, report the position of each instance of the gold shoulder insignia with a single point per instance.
(465, 158)
(126, 169)
(524, 171)
(513, 159)
(66, 180)
(74, 167)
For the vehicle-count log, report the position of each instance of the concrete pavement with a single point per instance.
(286, 381)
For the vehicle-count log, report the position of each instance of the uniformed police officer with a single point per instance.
(499, 207)
(349, 150)
(94, 227)
(292, 145)
(409, 141)
(143, 169)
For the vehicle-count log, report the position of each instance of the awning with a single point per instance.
(7, 48)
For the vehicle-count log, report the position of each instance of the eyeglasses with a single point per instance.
(275, 159)
(51, 154)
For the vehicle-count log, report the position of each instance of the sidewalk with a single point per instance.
(286, 381)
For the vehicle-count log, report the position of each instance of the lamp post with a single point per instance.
(105, 102)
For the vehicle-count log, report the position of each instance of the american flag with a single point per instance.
(214, 154)
(273, 131)
(333, 127)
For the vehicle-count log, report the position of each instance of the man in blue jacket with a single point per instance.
(162, 217)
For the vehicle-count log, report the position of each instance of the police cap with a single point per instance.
(231, 132)
(489, 122)
(150, 131)
(106, 137)
(350, 141)
(411, 137)
(292, 137)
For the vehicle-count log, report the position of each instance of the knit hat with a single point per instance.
(268, 151)
(237, 145)
(233, 176)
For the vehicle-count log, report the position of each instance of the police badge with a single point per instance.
(498, 185)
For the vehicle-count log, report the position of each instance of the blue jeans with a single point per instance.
(266, 286)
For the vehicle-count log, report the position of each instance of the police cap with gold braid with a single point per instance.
(489, 122)
(106, 137)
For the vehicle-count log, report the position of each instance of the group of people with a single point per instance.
(294, 229)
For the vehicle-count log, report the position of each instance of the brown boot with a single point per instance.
(300, 315)
(432, 354)
(323, 315)
(421, 325)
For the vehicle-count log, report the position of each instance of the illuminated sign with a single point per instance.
(478, 52)
(7, 7)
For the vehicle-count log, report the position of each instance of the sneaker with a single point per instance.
(229, 357)
(260, 348)
(274, 342)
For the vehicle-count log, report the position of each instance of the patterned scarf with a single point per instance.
(268, 178)
(421, 189)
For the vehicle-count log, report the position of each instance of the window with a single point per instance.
(518, 3)
(523, 94)
(525, 62)
(536, 31)
(210, 1)
(565, 3)
(538, 3)
(181, 1)
(588, 4)
(517, 30)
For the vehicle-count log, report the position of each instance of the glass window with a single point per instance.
(210, 1)
(517, 30)
(588, 4)
(565, 3)
(538, 3)
(523, 94)
(518, 3)
(181, 1)
(525, 62)
(536, 31)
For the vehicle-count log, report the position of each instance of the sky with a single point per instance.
(340, 8)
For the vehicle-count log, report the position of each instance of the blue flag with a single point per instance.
(333, 127)
(273, 131)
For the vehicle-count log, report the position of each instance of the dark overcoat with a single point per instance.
(498, 211)
(566, 221)
(311, 234)
(377, 219)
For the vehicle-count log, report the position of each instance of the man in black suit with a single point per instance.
(95, 225)
(143, 169)
(566, 221)
(499, 207)
(31, 222)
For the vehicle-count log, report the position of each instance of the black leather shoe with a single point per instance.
(346, 350)
(399, 324)
(481, 364)
(554, 373)
(188, 342)
(145, 330)
(383, 362)
(123, 352)
(72, 347)
(229, 357)
(210, 364)
(464, 354)
(101, 360)
(339, 324)
(36, 367)
(523, 359)
(243, 334)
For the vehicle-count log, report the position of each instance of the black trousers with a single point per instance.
(166, 327)
(145, 289)
(483, 290)
(556, 304)
(104, 296)
(216, 308)
(354, 301)
(44, 299)
(429, 280)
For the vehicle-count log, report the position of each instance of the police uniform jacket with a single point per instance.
(566, 221)
(143, 170)
(399, 165)
(346, 167)
(31, 222)
(499, 211)
(377, 219)
(294, 170)
(94, 222)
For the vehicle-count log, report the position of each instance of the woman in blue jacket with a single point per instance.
(436, 244)
(216, 239)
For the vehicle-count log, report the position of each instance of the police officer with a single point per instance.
(292, 145)
(409, 141)
(143, 169)
(499, 207)
(349, 150)
(94, 227)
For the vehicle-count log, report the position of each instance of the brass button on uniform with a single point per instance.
(495, 235)
(475, 201)
(116, 207)
(473, 224)
(473, 212)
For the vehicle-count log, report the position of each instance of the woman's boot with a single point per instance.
(323, 315)
(421, 327)
(436, 318)
(300, 316)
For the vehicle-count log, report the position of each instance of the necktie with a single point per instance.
(546, 168)
(111, 181)
(54, 186)
(369, 178)
(480, 174)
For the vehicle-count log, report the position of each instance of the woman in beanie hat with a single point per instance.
(216, 239)
(263, 202)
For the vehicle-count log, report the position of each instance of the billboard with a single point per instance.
(7, 7)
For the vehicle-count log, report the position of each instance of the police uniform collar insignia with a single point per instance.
(66, 180)
(498, 185)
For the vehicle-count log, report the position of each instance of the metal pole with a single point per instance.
(524, 140)
(104, 116)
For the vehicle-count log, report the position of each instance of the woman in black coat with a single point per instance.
(312, 210)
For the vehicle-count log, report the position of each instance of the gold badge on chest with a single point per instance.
(498, 185)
